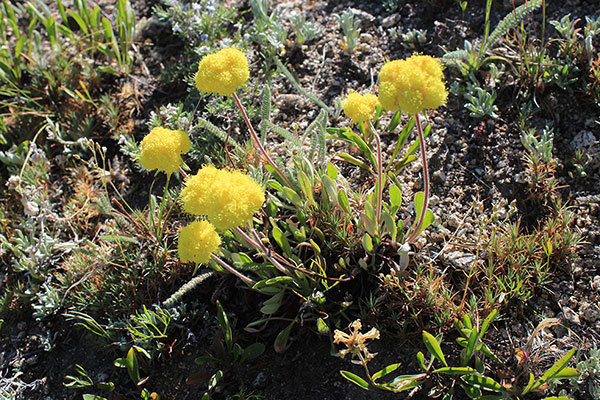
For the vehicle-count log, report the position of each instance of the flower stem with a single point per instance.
(161, 223)
(233, 270)
(185, 175)
(415, 233)
(256, 140)
(189, 124)
(379, 174)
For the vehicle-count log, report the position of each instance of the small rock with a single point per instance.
(439, 177)
(33, 360)
(260, 380)
(391, 20)
(571, 316)
(596, 283)
(582, 141)
(591, 314)
(460, 260)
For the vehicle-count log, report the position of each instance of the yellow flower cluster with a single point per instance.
(360, 108)
(222, 72)
(413, 85)
(228, 198)
(197, 241)
(162, 149)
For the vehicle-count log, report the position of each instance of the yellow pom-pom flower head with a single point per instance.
(197, 241)
(360, 108)
(228, 198)
(413, 85)
(222, 72)
(161, 149)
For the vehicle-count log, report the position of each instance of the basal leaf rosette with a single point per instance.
(161, 149)
(222, 72)
(413, 85)
(228, 198)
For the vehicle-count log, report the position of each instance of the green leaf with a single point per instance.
(566, 373)
(265, 113)
(253, 351)
(306, 186)
(282, 338)
(214, 380)
(108, 386)
(343, 201)
(133, 368)
(79, 21)
(353, 160)
(281, 240)
(434, 347)
(468, 351)
(357, 380)
(395, 121)
(529, 384)
(271, 305)
(454, 370)
(387, 370)
(402, 138)
(322, 326)
(93, 397)
(429, 217)
(557, 398)
(483, 382)
(479, 365)
(332, 171)
(486, 323)
(405, 382)
(555, 369)
(472, 392)
(205, 359)
(395, 196)
(118, 238)
(224, 324)
(421, 361)
(390, 225)
(367, 243)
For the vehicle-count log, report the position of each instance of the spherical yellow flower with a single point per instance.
(228, 198)
(197, 241)
(413, 85)
(162, 149)
(360, 108)
(222, 72)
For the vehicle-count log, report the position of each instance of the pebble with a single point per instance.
(582, 140)
(591, 314)
(260, 380)
(596, 283)
(460, 260)
(438, 177)
(571, 316)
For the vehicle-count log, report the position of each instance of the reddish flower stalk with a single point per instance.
(233, 270)
(379, 174)
(256, 140)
